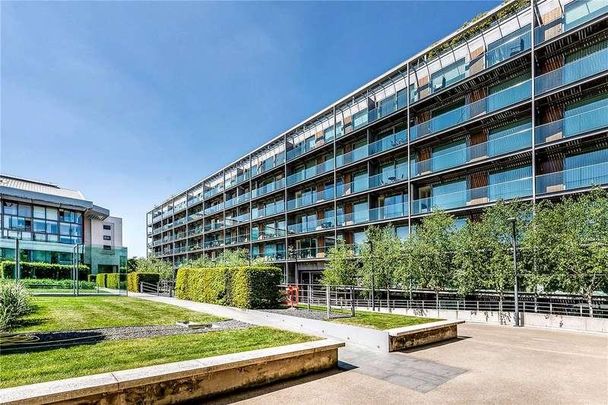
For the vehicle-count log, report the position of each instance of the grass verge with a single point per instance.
(374, 320)
(74, 313)
(49, 365)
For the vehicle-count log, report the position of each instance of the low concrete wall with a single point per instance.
(566, 322)
(185, 380)
(421, 335)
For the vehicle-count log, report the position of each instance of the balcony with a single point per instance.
(268, 164)
(196, 231)
(267, 211)
(269, 256)
(310, 172)
(214, 191)
(235, 240)
(267, 234)
(572, 179)
(234, 181)
(195, 200)
(576, 13)
(398, 174)
(585, 122)
(310, 198)
(268, 188)
(311, 226)
(319, 252)
(509, 143)
(519, 188)
(239, 220)
(460, 115)
(213, 244)
(214, 209)
(195, 216)
(234, 201)
(306, 146)
(387, 212)
(214, 226)
(587, 66)
(387, 143)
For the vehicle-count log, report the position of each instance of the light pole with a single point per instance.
(371, 254)
(513, 222)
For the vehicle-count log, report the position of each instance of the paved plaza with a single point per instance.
(489, 364)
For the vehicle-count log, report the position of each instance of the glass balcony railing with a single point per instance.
(571, 179)
(179, 207)
(393, 211)
(195, 216)
(214, 226)
(195, 200)
(316, 252)
(457, 116)
(576, 13)
(379, 146)
(508, 49)
(213, 243)
(235, 240)
(519, 188)
(579, 69)
(267, 234)
(269, 256)
(310, 172)
(194, 247)
(214, 209)
(588, 121)
(310, 226)
(239, 220)
(269, 210)
(196, 231)
(268, 188)
(213, 191)
(496, 147)
(241, 178)
(268, 164)
(234, 201)
(310, 198)
(398, 174)
(180, 221)
(167, 213)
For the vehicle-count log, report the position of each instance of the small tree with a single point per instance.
(405, 270)
(379, 256)
(433, 251)
(341, 268)
(155, 265)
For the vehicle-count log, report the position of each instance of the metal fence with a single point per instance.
(350, 298)
(163, 288)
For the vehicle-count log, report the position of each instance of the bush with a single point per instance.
(42, 270)
(115, 280)
(14, 303)
(48, 283)
(92, 278)
(244, 287)
(100, 279)
(136, 277)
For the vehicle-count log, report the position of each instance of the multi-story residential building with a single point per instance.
(513, 105)
(50, 221)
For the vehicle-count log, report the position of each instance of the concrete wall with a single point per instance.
(94, 232)
(184, 380)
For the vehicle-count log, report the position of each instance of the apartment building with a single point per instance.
(50, 221)
(513, 105)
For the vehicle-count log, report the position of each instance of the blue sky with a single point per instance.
(131, 102)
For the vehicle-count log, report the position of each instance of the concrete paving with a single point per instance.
(487, 364)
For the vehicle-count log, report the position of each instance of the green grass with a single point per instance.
(374, 320)
(35, 367)
(73, 313)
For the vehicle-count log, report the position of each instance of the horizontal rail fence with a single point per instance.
(163, 288)
(348, 297)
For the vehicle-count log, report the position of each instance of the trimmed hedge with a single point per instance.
(47, 283)
(243, 287)
(100, 279)
(134, 278)
(43, 270)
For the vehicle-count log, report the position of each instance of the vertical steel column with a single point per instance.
(409, 158)
(533, 98)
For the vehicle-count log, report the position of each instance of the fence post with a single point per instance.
(477, 306)
(457, 308)
(550, 308)
(308, 298)
(141, 286)
(352, 301)
(581, 309)
(158, 288)
(327, 298)
(388, 299)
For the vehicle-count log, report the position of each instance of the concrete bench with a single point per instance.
(184, 380)
(423, 334)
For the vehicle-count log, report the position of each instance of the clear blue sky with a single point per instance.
(131, 102)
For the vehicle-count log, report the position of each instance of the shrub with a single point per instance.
(42, 270)
(136, 277)
(100, 279)
(244, 286)
(14, 303)
(48, 283)
(92, 278)
(115, 280)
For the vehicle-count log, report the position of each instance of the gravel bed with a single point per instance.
(308, 314)
(45, 340)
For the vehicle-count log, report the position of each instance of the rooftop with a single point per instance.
(39, 187)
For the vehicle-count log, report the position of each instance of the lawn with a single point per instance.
(374, 320)
(73, 313)
(35, 367)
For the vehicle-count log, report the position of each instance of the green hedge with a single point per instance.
(134, 278)
(100, 279)
(244, 287)
(42, 270)
(46, 283)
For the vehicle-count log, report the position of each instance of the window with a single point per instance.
(107, 227)
(360, 119)
(25, 210)
(39, 226)
(39, 212)
(10, 208)
(107, 247)
(52, 214)
(508, 46)
(448, 75)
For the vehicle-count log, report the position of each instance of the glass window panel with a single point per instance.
(39, 225)
(360, 212)
(585, 115)
(39, 212)
(64, 228)
(25, 210)
(448, 75)
(586, 169)
(360, 119)
(52, 227)
(10, 208)
(51, 213)
(360, 182)
(450, 195)
(510, 183)
(451, 155)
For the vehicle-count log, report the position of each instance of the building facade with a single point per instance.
(50, 221)
(514, 105)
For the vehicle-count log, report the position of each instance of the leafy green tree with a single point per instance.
(155, 265)
(432, 256)
(379, 256)
(572, 238)
(405, 271)
(342, 267)
(132, 264)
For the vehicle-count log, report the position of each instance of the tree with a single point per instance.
(405, 272)
(341, 268)
(432, 248)
(155, 265)
(132, 264)
(572, 237)
(483, 250)
(379, 256)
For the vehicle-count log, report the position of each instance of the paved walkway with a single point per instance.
(497, 364)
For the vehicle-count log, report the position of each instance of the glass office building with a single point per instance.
(513, 105)
(50, 221)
